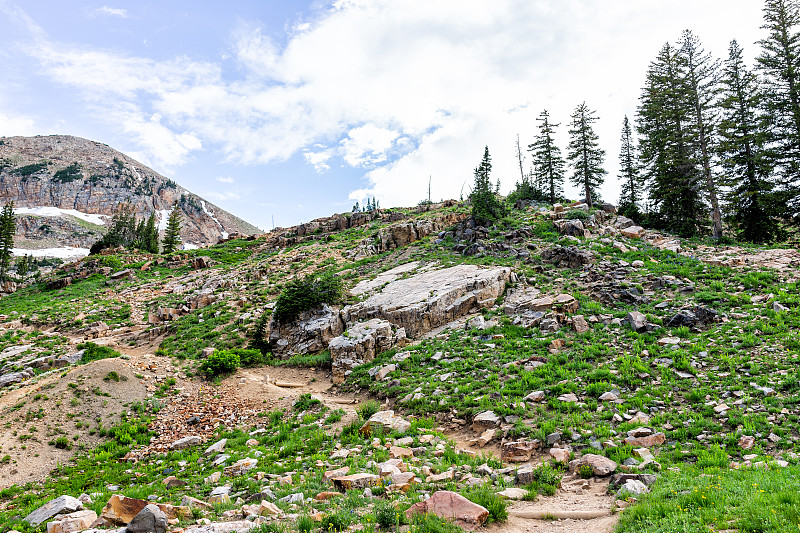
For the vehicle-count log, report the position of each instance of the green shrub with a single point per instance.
(62, 443)
(249, 357)
(305, 524)
(386, 515)
(305, 402)
(95, 352)
(493, 503)
(336, 522)
(586, 471)
(577, 214)
(220, 362)
(430, 523)
(111, 261)
(301, 295)
(368, 408)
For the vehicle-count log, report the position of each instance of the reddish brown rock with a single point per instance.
(601, 466)
(519, 451)
(327, 495)
(451, 506)
(649, 441)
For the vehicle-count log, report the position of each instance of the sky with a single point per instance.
(281, 111)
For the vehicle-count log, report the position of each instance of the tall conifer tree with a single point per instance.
(548, 165)
(779, 63)
(665, 122)
(743, 152)
(8, 227)
(700, 71)
(631, 186)
(584, 153)
(172, 235)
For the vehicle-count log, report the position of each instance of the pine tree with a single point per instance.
(665, 123)
(779, 63)
(172, 235)
(743, 151)
(632, 185)
(23, 265)
(548, 165)
(486, 208)
(701, 80)
(8, 227)
(122, 230)
(584, 153)
(150, 240)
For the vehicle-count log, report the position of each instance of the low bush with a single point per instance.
(493, 503)
(301, 295)
(220, 362)
(95, 352)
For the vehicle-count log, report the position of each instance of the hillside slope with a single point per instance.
(562, 352)
(66, 188)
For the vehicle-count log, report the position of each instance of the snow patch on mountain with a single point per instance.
(99, 220)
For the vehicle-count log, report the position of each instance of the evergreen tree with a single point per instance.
(584, 153)
(548, 165)
(743, 153)
(8, 227)
(665, 123)
(701, 79)
(122, 230)
(150, 240)
(23, 265)
(486, 208)
(779, 63)
(172, 235)
(632, 185)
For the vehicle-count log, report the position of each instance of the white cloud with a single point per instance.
(319, 159)
(367, 145)
(224, 179)
(405, 90)
(107, 11)
(13, 125)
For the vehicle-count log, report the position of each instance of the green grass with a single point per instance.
(695, 499)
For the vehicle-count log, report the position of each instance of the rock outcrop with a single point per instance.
(431, 299)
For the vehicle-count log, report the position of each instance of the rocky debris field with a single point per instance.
(564, 370)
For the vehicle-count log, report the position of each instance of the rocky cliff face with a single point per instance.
(74, 174)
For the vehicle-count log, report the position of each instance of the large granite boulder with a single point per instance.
(425, 301)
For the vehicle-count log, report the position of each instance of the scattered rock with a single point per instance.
(601, 466)
(386, 420)
(61, 505)
(451, 506)
(518, 451)
(150, 519)
(77, 521)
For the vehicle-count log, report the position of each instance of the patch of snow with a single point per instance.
(163, 215)
(100, 220)
(190, 246)
(210, 214)
(67, 252)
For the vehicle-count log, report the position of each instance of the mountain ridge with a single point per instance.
(70, 173)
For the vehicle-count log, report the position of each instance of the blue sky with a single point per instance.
(295, 110)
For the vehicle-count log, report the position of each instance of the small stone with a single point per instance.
(215, 448)
(151, 519)
(601, 466)
(60, 505)
(535, 396)
(513, 493)
(746, 442)
(560, 455)
(172, 482)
